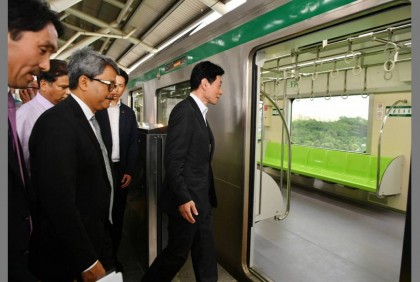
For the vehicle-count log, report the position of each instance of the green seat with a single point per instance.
(299, 158)
(335, 161)
(358, 165)
(347, 168)
(272, 155)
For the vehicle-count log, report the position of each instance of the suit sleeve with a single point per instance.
(176, 151)
(133, 144)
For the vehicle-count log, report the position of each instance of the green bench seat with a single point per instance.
(354, 170)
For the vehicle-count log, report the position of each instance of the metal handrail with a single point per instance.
(281, 217)
(378, 168)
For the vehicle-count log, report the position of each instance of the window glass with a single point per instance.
(168, 97)
(137, 104)
(335, 123)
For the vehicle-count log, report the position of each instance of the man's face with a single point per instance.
(30, 54)
(55, 91)
(99, 95)
(213, 91)
(119, 90)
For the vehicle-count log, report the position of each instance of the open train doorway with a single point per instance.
(331, 160)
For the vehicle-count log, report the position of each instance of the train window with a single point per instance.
(136, 103)
(336, 123)
(168, 97)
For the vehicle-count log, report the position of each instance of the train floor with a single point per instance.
(325, 238)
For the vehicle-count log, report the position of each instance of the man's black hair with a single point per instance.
(206, 70)
(31, 15)
(57, 68)
(122, 73)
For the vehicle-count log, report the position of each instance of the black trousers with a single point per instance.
(118, 209)
(184, 237)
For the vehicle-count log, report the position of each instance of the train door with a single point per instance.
(330, 181)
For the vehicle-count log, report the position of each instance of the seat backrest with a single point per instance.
(336, 161)
(358, 165)
(316, 158)
(300, 155)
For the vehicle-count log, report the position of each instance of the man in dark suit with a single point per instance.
(33, 31)
(189, 194)
(72, 179)
(119, 131)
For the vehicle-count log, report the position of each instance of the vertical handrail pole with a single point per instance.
(378, 168)
(280, 217)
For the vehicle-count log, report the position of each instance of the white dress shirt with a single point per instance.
(26, 116)
(114, 121)
(203, 108)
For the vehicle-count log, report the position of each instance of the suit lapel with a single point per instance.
(211, 141)
(85, 124)
(122, 124)
(12, 158)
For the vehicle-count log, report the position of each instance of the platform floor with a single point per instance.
(324, 238)
(133, 271)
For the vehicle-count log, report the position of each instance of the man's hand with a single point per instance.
(26, 95)
(93, 274)
(186, 210)
(126, 181)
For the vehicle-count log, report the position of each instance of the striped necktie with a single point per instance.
(106, 159)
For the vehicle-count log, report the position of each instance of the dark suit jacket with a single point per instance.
(129, 146)
(72, 193)
(19, 204)
(188, 153)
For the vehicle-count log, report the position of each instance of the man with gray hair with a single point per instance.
(72, 178)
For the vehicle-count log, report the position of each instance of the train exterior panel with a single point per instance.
(267, 29)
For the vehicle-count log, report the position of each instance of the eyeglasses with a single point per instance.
(111, 85)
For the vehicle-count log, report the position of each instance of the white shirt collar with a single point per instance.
(203, 108)
(118, 104)
(86, 110)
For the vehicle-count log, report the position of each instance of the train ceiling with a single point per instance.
(130, 31)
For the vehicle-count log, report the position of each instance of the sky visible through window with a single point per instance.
(332, 109)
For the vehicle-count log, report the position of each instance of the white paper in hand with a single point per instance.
(112, 277)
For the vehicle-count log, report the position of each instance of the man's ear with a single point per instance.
(83, 82)
(204, 83)
(42, 84)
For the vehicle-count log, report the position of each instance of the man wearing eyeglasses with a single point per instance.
(71, 175)
(119, 130)
(53, 88)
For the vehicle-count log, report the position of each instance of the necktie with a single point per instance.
(15, 139)
(204, 115)
(106, 159)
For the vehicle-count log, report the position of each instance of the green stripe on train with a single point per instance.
(293, 12)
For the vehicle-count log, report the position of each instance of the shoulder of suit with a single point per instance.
(184, 104)
(127, 109)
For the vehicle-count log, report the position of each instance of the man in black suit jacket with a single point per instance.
(119, 131)
(32, 27)
(189, 194)
(72, 179)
